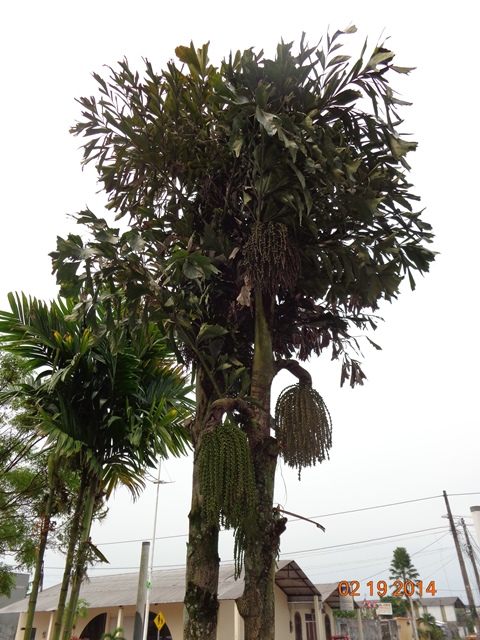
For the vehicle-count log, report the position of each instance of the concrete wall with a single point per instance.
(405, 631)
(9, 621)
(19, 590)
(372, 629)
(8, 626)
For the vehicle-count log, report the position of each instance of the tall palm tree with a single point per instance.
(269, 215)
(401, 567)
(108, 402)
(402, 570)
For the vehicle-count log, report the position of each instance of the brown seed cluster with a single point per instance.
(271, 257)
(303, 426)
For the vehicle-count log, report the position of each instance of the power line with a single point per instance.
(379, 506)
(293, 553)
(391, 504)
(307, 551)
(349, 544)
(326, 515)
(178, 535)
(357, 547)
(429, 545)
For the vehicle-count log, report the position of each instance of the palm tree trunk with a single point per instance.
(45, 528)
(72, 544)
(257, 604)
(85, 528)
(201, 603)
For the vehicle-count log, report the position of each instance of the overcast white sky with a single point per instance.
(412, 430)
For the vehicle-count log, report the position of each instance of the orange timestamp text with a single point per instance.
(401, 589)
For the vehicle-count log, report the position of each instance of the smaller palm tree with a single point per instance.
(109, 402)
(427, 627)
(116, 634)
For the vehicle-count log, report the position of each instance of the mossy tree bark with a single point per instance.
(257, 604)
(201, 602)
(72, 544)
(94, 483)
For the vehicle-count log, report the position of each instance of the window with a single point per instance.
(310, 626)
(328, 627)
(298, 627)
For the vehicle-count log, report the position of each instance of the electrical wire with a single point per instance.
(320, 550)
(349, 544)
(379, 506)
(326, 515)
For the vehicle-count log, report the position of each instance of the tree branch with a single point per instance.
(295, 515)
(224, 405)
(296, 369)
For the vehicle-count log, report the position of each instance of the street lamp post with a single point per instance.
(152, 555)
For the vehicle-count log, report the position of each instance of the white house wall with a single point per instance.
(282, 616)
(445, 613)
(230, 623)
(227, 626)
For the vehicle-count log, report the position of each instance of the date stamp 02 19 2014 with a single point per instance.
(380, 588)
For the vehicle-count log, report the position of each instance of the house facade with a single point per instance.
(444, 610)
(303, 610)
(300, 613)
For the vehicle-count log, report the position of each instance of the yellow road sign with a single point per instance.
(159, 620)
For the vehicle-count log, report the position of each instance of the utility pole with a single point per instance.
(412, 614)
(470, 554)
(471, 602)
(141, 593)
